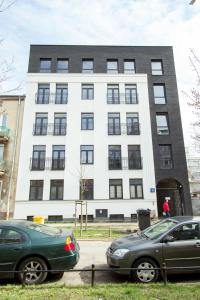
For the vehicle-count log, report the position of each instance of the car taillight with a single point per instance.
(69, 245)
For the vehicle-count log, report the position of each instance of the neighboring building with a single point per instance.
(193, 163)
(11, 118)
(108, 116)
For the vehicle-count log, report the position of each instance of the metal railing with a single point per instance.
(50, 129)
(42, 164)
(124, 163)
(54, 98)
(122, 98)
(163, 271)
(124, 128)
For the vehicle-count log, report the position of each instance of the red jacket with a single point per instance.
(166, 207)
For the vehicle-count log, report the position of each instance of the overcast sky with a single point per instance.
(104, 22)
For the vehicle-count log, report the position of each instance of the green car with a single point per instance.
(174, 241)
(27, 246)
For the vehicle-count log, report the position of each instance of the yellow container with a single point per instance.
(38, 219)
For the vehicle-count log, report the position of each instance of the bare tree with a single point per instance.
(194, 97)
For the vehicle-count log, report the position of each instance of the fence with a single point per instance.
(163, 271)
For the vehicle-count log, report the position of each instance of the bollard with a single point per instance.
(109, 231)
(24, 276)
(164, 271)
(93, 274)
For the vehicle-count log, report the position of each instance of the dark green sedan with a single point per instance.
(173, 241)
(27, 246)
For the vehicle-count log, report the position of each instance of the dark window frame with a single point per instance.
(135, 187)
(115, 188)
(86, 70)
(153, 70)
(165, 127)
(87, 194)
(129, 71)
(87, 91)
(45, 70)
(55, 181)
(36, 192)
(62, 70)
(87, 152)
(164, 97)
(163, 158)
(111, 70)
(87, 119)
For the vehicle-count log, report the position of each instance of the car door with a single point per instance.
(13, 245)
(184, 250)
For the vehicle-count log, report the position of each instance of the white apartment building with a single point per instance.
(91, 127)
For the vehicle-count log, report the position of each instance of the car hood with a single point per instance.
(128, 241)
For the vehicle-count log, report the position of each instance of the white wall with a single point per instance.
(75, 137)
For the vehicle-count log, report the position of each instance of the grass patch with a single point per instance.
(125, 291)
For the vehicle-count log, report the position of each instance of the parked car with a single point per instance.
(173, 241)
(27, 246)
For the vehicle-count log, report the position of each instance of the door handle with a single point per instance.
(197, 245)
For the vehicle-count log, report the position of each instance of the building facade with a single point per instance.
(103, 125)
(11, 118)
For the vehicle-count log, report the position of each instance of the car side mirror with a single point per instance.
(168, 239)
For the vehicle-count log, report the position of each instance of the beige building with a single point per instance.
(11, 118)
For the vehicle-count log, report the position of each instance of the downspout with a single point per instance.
(13, 158)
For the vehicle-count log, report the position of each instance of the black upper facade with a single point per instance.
(143, 57)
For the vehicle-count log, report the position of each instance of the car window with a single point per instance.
(185, 232)
(10, 236)
(52, 231)
(159, 228)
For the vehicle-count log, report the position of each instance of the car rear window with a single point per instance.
(48, 230)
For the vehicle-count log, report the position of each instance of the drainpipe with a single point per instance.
(13, 159)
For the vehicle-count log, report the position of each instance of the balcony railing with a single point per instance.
(50, 129)
(2, 167)
(163, 130)
(42, 164)
(4, 133)
(124, 163)
(122, 98)
(53, 98)
(166, 163)
(124, 128)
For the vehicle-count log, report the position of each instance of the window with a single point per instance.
(156, 67)
(87, 154)
(129, 66)
(186, 232)
(115, 189)
(131, 94)
(38, 159)
(114, 157)
(45, 65)
(136, 188)
(87, 121)
(114, 127)
(60, 123)
(56, 189)
(62, 65)
(36, 190)
(159, 93)
(87, 91)
(41, 124)
(134, 157)
(132, 123)
(61, 94)
(112, 66)
(113, 94)
(3, 120)
(165, 152)
(86, 189)
(58, 158)
(162, 123)
(10, 236)
(87, 65)
(1, 152)
(43, 94)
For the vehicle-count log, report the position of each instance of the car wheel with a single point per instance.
(56, 275)
(145, 271)
(32, 264)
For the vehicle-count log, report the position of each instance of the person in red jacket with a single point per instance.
(166, 209)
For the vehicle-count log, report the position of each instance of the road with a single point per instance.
(92, 252)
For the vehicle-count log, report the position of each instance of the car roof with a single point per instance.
(15, 223)
(181, 219)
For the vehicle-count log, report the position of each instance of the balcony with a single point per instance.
(124, 163)
(122, 98)
(52, 98)
(2, 167)
(166, 163)
(42, 164)
(4, 134)
(50, 129)
(123, 128)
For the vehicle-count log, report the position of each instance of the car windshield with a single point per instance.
(52, 231)
(159, 228)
